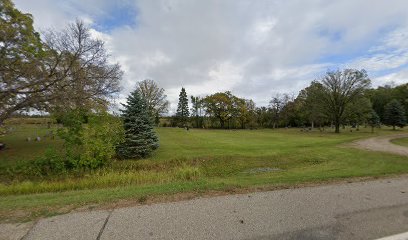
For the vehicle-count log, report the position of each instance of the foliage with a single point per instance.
(86, 78)
(197, 110)
(338, 90)
(21, 51)
(245, 112)
(277, 106)
(182, 113)
(357, 112)
(309, 104)
(69, 70)
(86, 146)
(140, 140)
(373, 120)
(384, 94)
(99, 140)
(263, 116)
(52, 163)
(394, 114)
(153, 95)
(222, 106)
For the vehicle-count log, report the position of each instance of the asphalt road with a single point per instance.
(363, 210)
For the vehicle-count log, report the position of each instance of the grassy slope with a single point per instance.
(401, 141)
(200, 160)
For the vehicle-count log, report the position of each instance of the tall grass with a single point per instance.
(103, 179)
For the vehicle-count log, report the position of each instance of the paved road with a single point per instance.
(363, 210)
(383, 144)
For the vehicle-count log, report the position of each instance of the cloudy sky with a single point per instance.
(253, 48)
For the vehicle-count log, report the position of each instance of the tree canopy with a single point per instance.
(338, 90)
(394, 114)
(154, 96)
(66, 71)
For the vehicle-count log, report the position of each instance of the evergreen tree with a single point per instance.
(394, 114)
(182, 108)
(140, 139)
(373, 120)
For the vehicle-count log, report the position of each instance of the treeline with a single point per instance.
(338, 99)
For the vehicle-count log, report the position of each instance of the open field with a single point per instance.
(195, 161)
(401, 141)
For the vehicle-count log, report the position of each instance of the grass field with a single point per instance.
(195, 161)
(401, 141)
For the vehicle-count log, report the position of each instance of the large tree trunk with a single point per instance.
(337, 126)
(222, 123)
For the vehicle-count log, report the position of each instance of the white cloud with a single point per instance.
(254, 48)
(399, 77)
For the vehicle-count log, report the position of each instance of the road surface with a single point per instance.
(362, 210)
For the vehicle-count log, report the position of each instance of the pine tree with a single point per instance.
(394, 114)
(182, 113)
(373, 120)
(140, 139)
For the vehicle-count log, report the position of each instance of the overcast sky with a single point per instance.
(253, 48)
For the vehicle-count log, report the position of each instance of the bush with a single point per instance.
(86, 146)
(51, 163)
(99, 140)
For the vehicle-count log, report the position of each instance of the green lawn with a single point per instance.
(401, 141)
(197, 161)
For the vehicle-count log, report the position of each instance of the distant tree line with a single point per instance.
(68, 74)
(338, 99)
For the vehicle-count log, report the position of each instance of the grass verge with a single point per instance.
(195, 162)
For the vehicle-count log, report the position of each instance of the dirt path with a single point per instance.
(383, 144)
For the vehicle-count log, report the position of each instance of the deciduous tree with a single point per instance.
(339, 89)
(67, 71)
(154, 97)
(220, 106)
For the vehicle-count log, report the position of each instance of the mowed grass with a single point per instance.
(20, 150)
(197, 161)
(401, 141)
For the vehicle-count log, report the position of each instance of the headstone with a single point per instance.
(28, 139)
(37, 139)
(2, 146)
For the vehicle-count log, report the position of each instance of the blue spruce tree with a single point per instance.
(140, 139)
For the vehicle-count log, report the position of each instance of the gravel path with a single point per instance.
(383, 144)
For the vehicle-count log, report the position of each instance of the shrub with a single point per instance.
(51, 163)
(99, 140)
(86, 146)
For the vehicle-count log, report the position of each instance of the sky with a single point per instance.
(255, 49)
